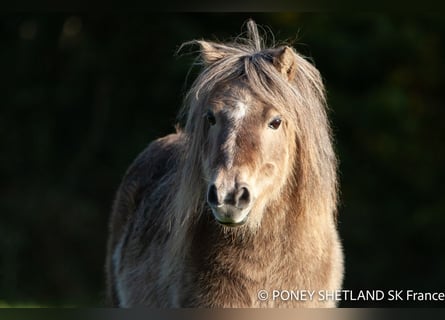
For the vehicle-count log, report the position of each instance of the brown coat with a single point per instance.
(266, 134)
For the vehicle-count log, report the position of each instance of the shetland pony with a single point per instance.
(239, 200)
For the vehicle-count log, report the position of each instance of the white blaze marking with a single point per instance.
(239, 111)
(236, 113)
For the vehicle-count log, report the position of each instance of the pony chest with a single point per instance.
(243, 265)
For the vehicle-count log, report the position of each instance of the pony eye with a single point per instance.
(211, 118)
(275, 123)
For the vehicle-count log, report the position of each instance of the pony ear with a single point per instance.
(211, 51)
(284, 59)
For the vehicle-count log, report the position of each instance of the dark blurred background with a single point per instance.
(81, 95)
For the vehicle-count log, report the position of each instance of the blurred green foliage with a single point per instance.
(81, 95)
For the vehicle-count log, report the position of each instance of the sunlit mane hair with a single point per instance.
(301, 100)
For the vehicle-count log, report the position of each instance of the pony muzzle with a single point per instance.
(232, 208)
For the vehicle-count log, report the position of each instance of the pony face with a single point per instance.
(246, 154)
(256, 130)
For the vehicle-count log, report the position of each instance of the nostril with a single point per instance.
(212, 196)
(243, 198)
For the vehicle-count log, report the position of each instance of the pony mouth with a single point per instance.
(232, 222)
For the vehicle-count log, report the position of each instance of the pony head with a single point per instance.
(256, 129)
